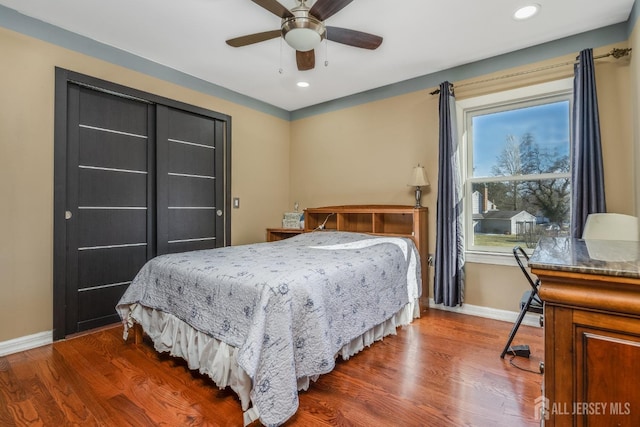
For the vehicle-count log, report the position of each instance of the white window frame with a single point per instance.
(532, 95)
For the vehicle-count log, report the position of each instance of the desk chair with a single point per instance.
(611, 226)
(530, 301)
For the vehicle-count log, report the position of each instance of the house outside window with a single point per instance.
(516, 168)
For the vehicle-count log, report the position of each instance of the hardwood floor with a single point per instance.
(443, 370)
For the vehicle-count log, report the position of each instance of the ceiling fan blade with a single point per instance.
(274, 7)
(254, 38)
(353, 38)
(323, 9)
(306, 60)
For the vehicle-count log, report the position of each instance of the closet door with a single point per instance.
(135, 175)
(190, 165)
(109, 222)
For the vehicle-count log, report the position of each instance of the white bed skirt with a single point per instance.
(218, 360)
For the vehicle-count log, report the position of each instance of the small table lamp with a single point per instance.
(418, 179)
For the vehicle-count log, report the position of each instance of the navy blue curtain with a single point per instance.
(448, 286)
(587, 173)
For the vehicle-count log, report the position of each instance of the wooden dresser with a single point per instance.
(383, 220)
(591, 294)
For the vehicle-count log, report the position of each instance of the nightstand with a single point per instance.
(275, 234)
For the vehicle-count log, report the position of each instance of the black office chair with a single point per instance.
(530, 301)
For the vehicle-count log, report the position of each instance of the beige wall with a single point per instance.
(260, 172)
(634, 43)
(364, 154)
(361, 154)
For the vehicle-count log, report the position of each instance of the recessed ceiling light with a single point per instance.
(303, 84)
(526, 12)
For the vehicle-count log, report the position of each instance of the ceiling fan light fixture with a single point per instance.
(303, 34)
(303, 29)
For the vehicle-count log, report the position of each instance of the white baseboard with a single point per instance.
(530, 319)
(25, 343)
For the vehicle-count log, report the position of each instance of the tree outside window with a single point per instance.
(518, 180)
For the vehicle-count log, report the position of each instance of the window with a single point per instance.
(516, 167)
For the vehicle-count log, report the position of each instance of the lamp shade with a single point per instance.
(302, 39)
(303, 32)
(418, 177)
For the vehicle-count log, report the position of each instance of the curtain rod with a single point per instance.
(616, 53)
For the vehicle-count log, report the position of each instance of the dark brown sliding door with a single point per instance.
(136, 176)
(190, 184)
(107, 215)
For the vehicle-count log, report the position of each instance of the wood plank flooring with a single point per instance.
(443, 370)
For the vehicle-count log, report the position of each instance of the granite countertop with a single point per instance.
(604, 257)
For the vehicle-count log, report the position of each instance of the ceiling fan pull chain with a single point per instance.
(326, 52)
(280, 70)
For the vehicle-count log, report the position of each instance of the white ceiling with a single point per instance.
(420, 37)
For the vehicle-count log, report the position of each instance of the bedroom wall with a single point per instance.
(364, 154)
(360, 154)
(634, 43)
(260, 173)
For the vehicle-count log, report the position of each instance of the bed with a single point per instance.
(265, 319)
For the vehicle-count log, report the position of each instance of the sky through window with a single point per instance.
(547, 123)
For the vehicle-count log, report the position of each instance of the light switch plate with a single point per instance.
(236, 202)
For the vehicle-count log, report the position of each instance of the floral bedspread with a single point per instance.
(288, 306)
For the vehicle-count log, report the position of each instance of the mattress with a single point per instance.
(266, 318)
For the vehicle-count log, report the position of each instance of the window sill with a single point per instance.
(495, 258)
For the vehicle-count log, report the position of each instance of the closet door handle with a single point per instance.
(219, 212)
(68, 215)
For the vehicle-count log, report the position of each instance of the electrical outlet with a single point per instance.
(236, 202)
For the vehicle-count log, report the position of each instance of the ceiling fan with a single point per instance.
(303, 29)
